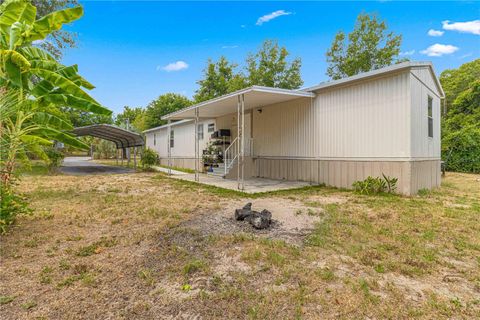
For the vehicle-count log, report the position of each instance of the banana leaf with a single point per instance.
(60, 81)
(17, 11)
(74, 102)
(14, 74)
(50, 120)
(54, 134)
(34, 53)
(53, 22)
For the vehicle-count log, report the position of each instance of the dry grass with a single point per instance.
(128, 246)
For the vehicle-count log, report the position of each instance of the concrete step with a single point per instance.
(216, 174)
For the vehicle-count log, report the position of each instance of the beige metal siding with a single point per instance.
(365, 120)
(285, 129)
(424, 147)
(184, 140)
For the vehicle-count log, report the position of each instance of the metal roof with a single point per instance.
(255, 97)
(121, 137)
(378, 72)
(174, 123)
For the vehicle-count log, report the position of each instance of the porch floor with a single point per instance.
(252, 185)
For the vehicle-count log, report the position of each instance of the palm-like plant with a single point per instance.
(34, 71)
(25, 127)
(32, 82)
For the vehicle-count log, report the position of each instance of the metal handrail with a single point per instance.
(229, 160)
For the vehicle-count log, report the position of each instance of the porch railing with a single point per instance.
(233, 152)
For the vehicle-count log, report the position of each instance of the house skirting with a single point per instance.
(412, 175)
(180, 162)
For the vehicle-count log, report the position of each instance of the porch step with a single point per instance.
(216, 174)
(218, 171)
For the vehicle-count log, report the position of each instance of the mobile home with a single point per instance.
(383, 121)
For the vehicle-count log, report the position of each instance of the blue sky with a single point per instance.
(134, 51)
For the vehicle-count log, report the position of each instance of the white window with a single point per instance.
(154, 139)
(172, 140)
(211, 127)
(200, 131)
(430, 117)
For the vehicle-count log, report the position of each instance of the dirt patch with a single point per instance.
(292, 221)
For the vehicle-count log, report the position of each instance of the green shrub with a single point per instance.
(55, 158)
(376, 185)
(12, 204)
(149, 158)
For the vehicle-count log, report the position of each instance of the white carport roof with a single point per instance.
(255, 97)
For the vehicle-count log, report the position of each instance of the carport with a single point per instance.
(123, 139)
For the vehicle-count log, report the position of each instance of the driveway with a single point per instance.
(81, 166)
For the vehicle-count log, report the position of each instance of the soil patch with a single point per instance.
(291, 220)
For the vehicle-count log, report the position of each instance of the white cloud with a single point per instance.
(174, 66)
(435, 33)
(464, 27)
(438, 50)
(272, 16)
(407, 53)
(229, 47)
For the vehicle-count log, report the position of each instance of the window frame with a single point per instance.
(430, 116)
(212, 127)
(154, 139)
(200, 133)
(172, 138)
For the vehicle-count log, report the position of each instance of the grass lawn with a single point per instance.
(143, 246)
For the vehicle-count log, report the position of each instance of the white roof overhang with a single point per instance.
(255, 97)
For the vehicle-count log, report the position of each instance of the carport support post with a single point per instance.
(169, 134)
(237, 151)
(240, 141)
(197, 177)
(135, 158)
(243, 144)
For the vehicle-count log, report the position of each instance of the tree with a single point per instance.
(164, 104)
(455, 81)
(369, 47)
(219, 78)
(461, 124)
(80, 118)
(135, 116)
(269, 67)
(59, 40)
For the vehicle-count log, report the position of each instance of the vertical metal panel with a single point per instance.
(368, 119)
(423, 146)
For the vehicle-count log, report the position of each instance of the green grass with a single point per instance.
(186, 170)
(6, 299)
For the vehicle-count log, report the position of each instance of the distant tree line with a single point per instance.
(461, 123)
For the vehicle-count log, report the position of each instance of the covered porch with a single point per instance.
(250, 185)
(233, 113)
